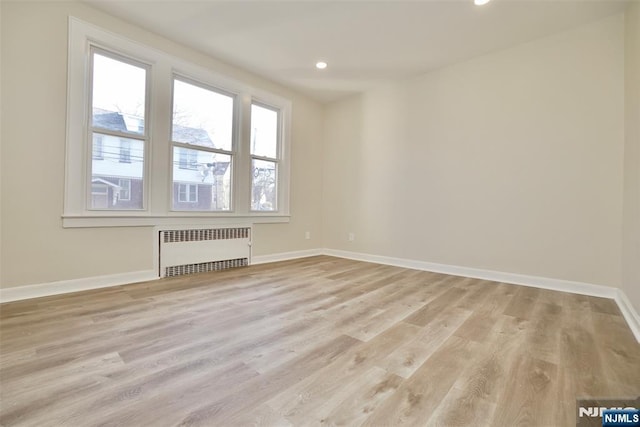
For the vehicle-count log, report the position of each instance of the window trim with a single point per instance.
(157, 187)
(234, 139)
(283, 166)
(96, 48)
(275, 160)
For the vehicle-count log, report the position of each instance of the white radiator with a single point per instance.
(197, 250)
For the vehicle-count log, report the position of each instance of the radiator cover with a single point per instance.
(197, 250)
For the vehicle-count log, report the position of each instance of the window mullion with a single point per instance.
(117, 134)
(266, 159)
(159, 144)
(201, 148)
(243, 155)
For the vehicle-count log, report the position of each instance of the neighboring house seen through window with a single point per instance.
(118, 94)
(188, 193)
(265, 124)
(125, 190)
(98, 149)
(202, 136)
(125, 151)
(188, 159)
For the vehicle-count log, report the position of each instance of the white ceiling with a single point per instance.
(364, 42)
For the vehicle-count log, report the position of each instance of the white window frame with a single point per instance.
(158, 183)
(234, 138)
(125, 137)
(276, 159)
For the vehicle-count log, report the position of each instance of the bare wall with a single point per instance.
(35, 248)
(631, 223)
(509, 162)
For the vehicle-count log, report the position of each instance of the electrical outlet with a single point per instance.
(352, 236)
(307, 235)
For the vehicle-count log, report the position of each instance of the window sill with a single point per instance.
(94, 221)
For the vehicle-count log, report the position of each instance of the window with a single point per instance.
(187, 193)
(188, 159)
(98, 148)
(125, 151)
(193, 145)
(118, 97)
(202, 136)
(264, 157)
(124, 194)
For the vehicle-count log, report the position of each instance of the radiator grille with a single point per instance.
(204, 267)
(198, 250)
(176, 236)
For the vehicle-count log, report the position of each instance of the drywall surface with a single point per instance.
(631, 222)
(509, 162)
(35, 246)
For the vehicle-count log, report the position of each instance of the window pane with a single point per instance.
(202, 117)
(205, 185)
(264, 132)
(118, 95)
(263, 185)
(115, 183)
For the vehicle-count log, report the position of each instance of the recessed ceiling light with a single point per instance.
(480, 2)
(321, 65)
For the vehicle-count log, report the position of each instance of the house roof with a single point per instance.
(114, 120)
(193, 136)
(96, 180)
(109, 120)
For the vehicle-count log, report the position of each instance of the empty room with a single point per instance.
(306, 213)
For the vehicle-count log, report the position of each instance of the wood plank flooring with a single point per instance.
(315, 341)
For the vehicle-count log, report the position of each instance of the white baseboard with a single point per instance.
(476, 273)
(74, 285)
(629, 313)
(284, 256)
(627, 309)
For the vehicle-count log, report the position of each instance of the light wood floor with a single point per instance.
(317, 341)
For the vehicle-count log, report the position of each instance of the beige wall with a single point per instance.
(1, 209)
(35, 248)
(631, 223)
(509, 162)
(512, 161)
